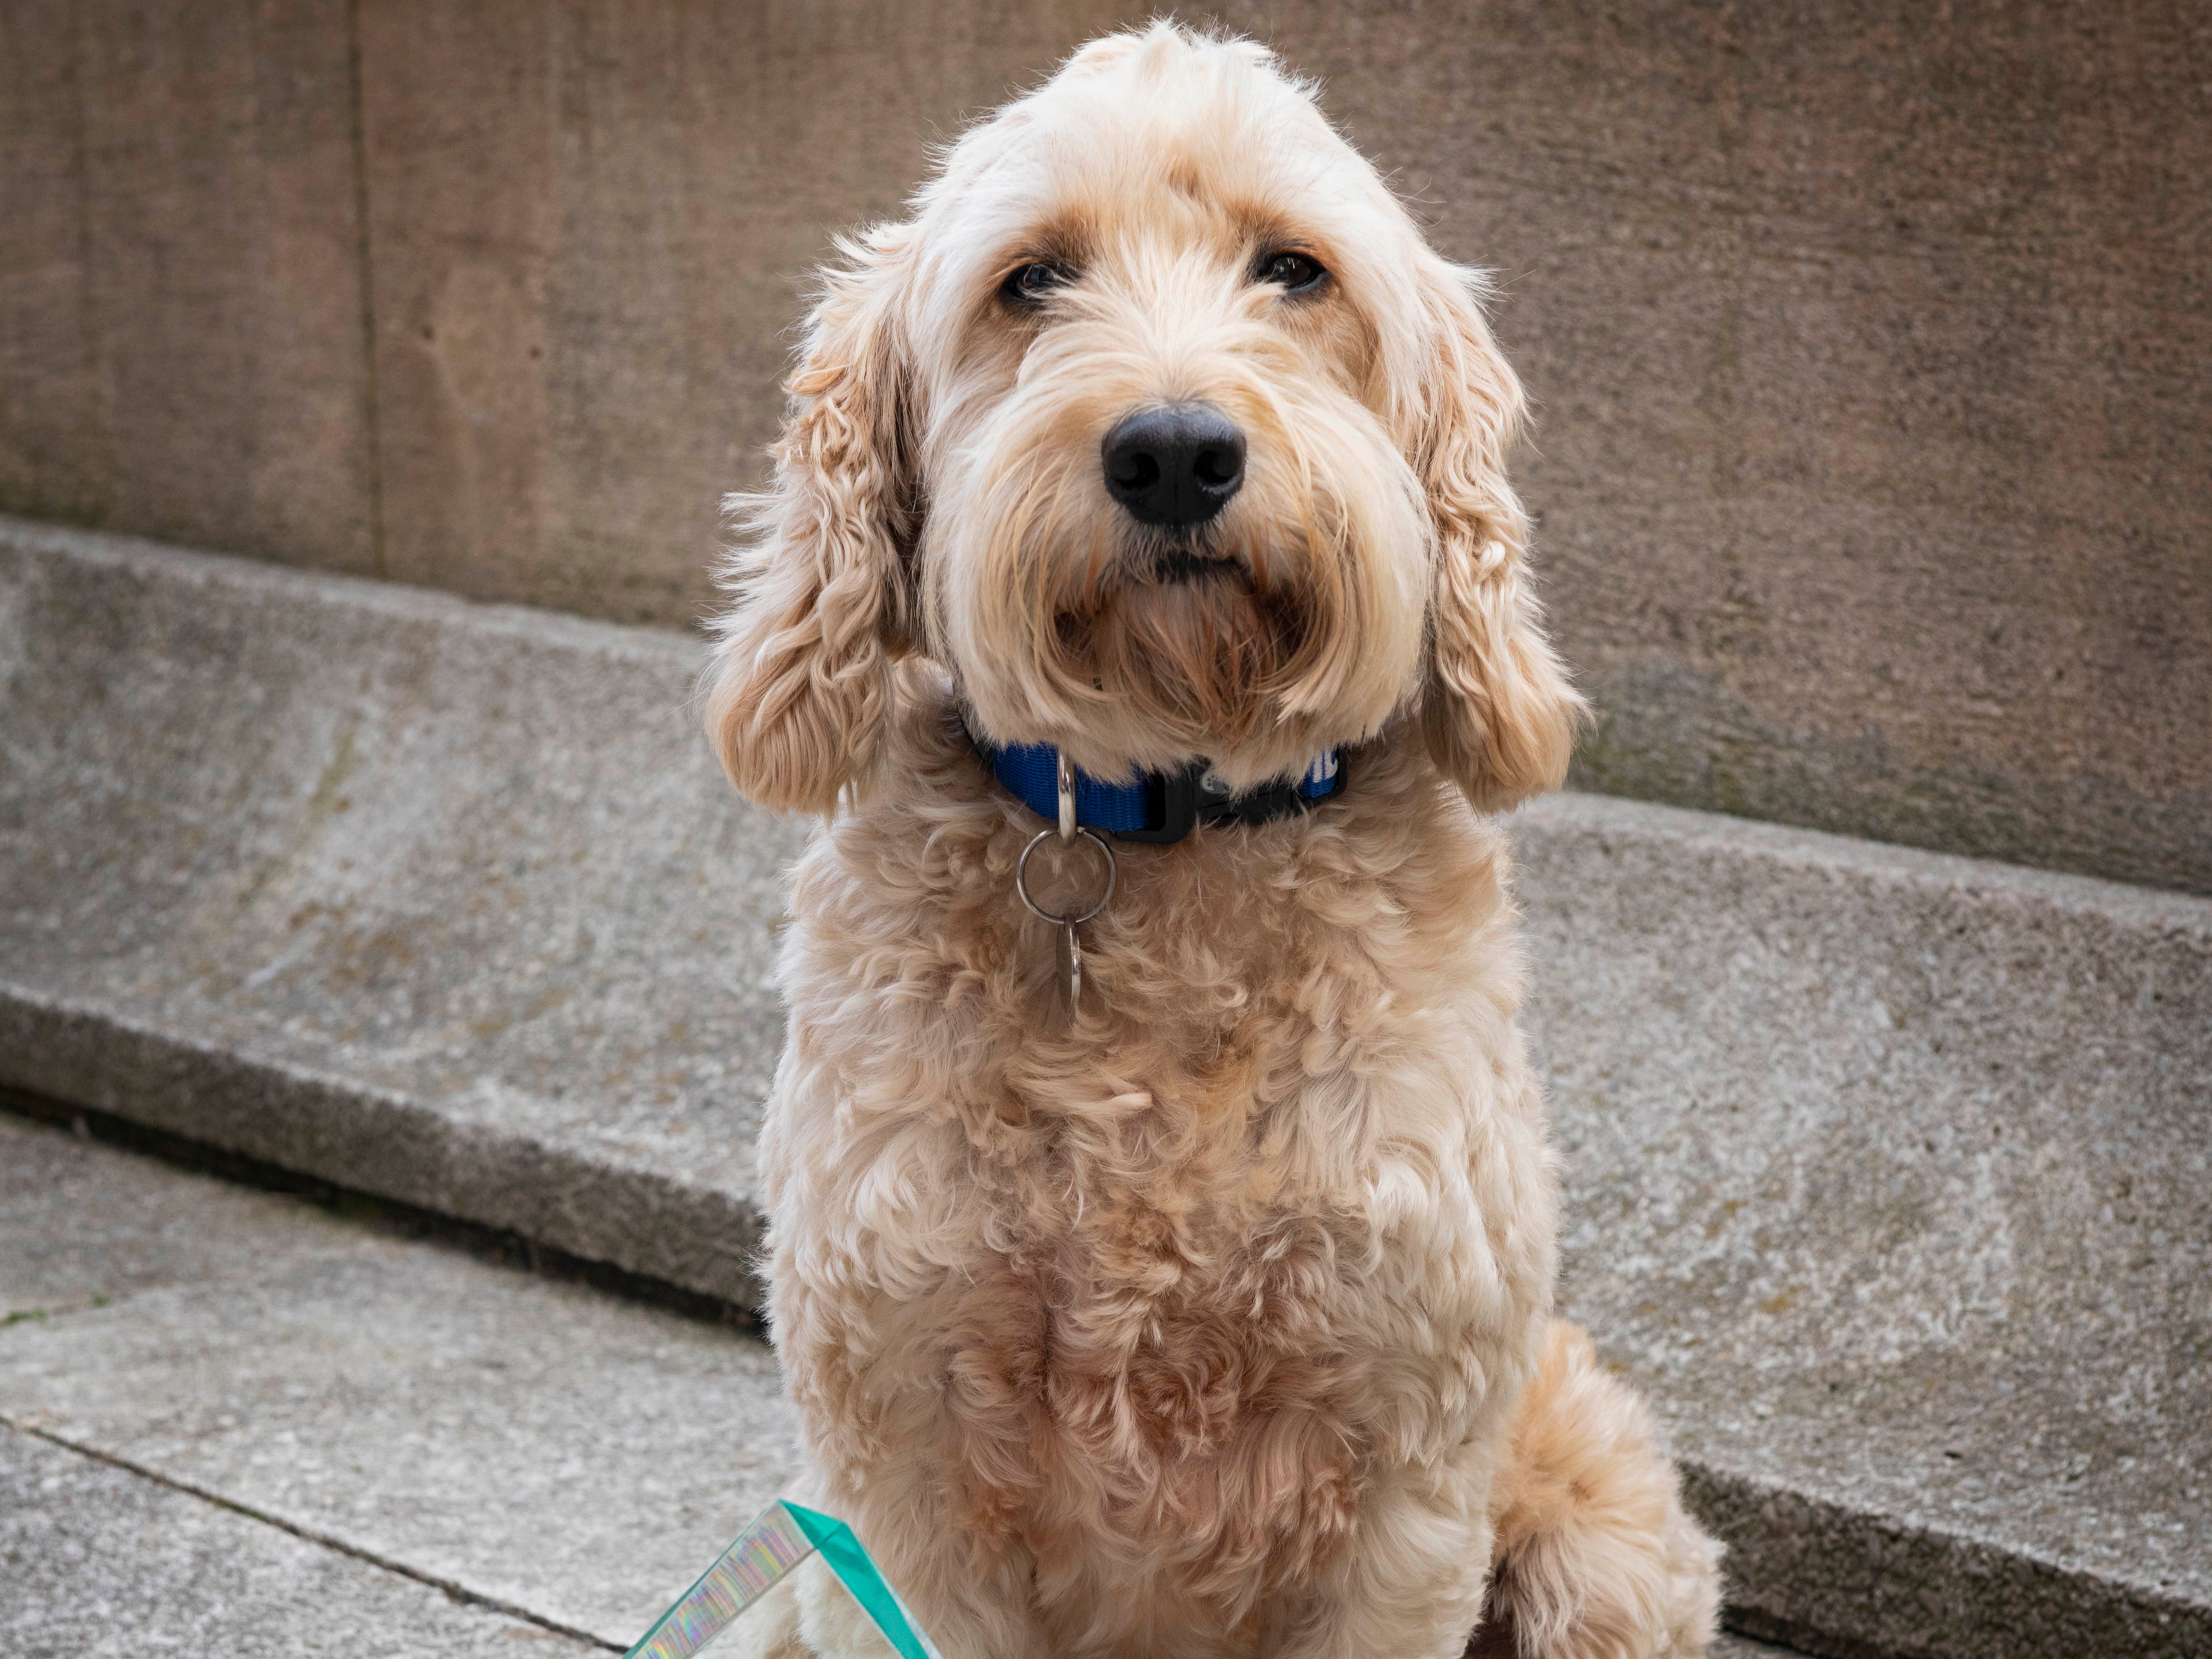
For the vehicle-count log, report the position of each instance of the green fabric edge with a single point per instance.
(837, 1544)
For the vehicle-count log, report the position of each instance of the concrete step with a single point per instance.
(534, 1446)
(98, 1559)
(235, 1423)
(1888, 1173)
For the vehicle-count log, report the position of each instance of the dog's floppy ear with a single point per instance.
(1497, 711)
(803, 677)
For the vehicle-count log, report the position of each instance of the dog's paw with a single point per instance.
(1596, 1557)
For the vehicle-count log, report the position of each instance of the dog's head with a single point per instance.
(1159, 423)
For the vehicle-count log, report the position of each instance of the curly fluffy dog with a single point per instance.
(1206, 1313)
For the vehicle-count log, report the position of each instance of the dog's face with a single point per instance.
(1161, 426)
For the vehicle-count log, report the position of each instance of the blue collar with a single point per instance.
(1156, 806)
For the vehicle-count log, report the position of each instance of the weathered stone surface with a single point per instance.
(1866, 340)
(182, 318)
(1866, 343)
(82, 1227)
(1885, 1171)
(442, 902)
(1888, 1175)
(96, 1562)
(593, 229)
(535, 1443)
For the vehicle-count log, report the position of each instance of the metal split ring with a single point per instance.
(1022, 877)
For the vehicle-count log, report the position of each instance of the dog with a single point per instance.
(1174, 1282)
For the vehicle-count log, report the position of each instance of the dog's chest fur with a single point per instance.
(1162, 1296)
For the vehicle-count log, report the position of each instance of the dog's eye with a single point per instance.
(1033, 281)
(1299, 273)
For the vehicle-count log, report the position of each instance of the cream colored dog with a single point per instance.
(1210, 1315)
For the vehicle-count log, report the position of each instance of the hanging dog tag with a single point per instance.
(1066, 948)
(1068, 952)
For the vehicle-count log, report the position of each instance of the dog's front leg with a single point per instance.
(1411, 1584)
(973, 1603)
(985, 1615)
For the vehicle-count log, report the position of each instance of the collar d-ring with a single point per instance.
(1022, 877)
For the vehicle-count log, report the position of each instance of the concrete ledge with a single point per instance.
(437, 899)
(1888, 1171)
(1854, 1584)
(1889, 1177)
(384, 1143)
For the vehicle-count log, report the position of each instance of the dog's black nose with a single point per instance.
(1176, 465)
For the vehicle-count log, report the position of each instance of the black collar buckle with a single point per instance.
(1181, 801)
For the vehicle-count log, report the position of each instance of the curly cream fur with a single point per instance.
(1205, 1324)
(1595, 1556)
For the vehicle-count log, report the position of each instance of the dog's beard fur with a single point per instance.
(1289, 622)
(1199, 639)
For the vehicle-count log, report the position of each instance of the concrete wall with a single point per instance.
(1870, 339)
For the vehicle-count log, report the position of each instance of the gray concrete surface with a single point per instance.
(97, 1563)
(81, 1228)
(1887, 1171)
(537, 1444)
(441, 901)
(534, 1445)
(1866, 338)
(1889, 1175)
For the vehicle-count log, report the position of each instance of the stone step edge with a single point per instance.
(1885, 1585)
(1891, 1588)
(378, 1142)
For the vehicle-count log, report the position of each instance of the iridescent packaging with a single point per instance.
(781, 1540)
